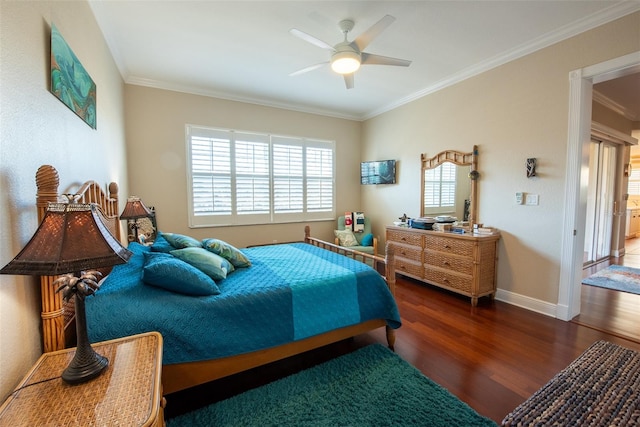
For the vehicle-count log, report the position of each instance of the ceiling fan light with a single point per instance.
(345, 62)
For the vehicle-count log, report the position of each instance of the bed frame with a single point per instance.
(57, 331)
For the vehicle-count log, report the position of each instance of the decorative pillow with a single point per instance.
(168, 272)
(211, 264)
(180, 241)
(227, 251)
(346, 238)
(367, 240)
(162, 245)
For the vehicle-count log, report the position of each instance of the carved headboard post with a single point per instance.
(47, 182)
(113, 197)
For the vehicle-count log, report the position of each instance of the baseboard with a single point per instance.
(618, 252)
(528, 303)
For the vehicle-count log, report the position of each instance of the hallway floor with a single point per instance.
(617, 313)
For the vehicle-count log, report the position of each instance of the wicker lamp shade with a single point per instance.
(72, 237)
(135, 209)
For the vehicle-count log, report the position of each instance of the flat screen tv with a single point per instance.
(378, 172)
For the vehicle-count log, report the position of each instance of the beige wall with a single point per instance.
(515, 111)
(35, 129)
(156, 149)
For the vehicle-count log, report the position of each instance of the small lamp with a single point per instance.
(134, 210)
(71, 238)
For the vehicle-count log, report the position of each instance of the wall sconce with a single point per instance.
(531, 167)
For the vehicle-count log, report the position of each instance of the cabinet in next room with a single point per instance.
(633, 223)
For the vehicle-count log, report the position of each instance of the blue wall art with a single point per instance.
(70, 82)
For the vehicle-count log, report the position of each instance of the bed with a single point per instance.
(292, 298)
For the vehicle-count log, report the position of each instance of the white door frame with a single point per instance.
(579, 134)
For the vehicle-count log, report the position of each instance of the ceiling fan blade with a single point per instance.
(371, 59)
(311, 39)
(309, 68)
(348, 80)
(363, 40)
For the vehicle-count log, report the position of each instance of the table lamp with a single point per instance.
(72, 238)
(134, 210)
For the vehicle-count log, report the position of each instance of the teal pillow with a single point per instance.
(226, 251)
(161, 244)
(209, 263)
(165, 271)
(367, 240)
(180, 241)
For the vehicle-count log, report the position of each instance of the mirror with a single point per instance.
(449, 185)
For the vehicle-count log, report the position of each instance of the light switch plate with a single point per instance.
(531, 199)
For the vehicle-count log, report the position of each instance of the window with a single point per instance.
(251, 178)
(634, 181)
(440, 186)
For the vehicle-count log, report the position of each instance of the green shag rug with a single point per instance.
(369, 387)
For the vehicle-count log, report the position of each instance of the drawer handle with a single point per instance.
(403, 239)
(403, 253)
(447, 247)
(446, 263)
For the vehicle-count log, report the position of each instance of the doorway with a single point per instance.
(600, 201)
(574, 220)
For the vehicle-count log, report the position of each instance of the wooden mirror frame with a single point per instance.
(460, 159)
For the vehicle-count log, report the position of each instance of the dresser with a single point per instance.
(127, 393)
(462, 263)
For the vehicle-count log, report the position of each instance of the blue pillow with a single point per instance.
(180, 241)
(209, 263)
(168, 272)
(367, 240)
(161, 244)
(226, 251)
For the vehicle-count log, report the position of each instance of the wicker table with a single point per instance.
(128, 393)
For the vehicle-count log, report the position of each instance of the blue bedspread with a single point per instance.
(290, 292)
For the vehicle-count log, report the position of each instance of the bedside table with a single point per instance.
(127, 393)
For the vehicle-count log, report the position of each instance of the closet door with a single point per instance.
(600, 204)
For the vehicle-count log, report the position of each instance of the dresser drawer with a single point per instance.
(463, 265)
(408, 267)
(449, 280)
(408, 252)
(407, 237)
(449, 245)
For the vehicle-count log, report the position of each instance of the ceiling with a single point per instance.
(243, 50)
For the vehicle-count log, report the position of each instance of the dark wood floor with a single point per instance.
(493, 356)
(612, 311)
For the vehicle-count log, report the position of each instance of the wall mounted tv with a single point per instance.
(378, 172)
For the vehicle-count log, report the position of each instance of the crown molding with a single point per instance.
(609, 103)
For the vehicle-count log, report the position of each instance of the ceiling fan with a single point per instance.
(346, 56)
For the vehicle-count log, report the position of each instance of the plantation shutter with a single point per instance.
(319, 179)
(440, 186)
(251, 178)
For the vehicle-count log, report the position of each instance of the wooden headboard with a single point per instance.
(57, 324)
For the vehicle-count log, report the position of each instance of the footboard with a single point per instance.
(357, 255)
